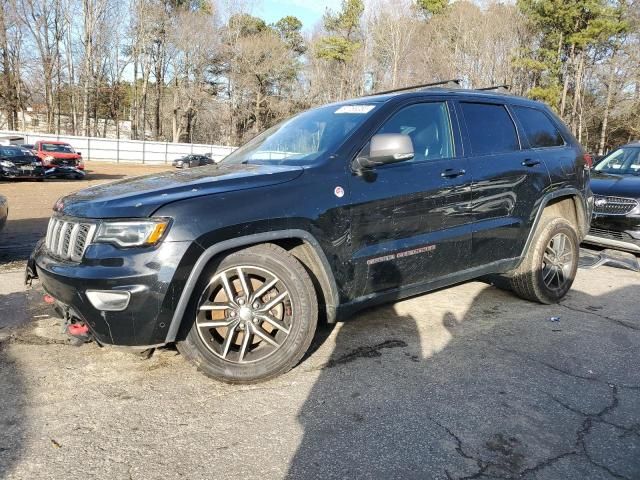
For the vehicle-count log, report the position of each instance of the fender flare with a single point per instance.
(568, 192)
(234, 243)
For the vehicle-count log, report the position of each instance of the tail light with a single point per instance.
(588, 161)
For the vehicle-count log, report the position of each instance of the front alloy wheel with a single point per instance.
(244, 314)
(254, 317)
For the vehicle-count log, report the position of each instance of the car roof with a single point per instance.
(438, 92)
(55, 142)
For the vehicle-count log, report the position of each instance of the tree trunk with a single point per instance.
(256, 111)
(134, 103)
(159, 67)
(72, 82)
(577, 92)
(565, 87)
(9, 87)
(607, 108)
(88, 70)
(175, 121)
(143, 114)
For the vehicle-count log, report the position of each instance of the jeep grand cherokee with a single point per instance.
(338, 208)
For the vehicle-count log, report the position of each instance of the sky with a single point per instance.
(309, 12)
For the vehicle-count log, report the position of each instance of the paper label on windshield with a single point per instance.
(357, 109)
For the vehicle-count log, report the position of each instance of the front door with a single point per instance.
(410, 220)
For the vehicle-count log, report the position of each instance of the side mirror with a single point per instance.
(79, 153)
(386, 148)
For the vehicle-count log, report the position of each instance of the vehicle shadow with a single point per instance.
(89, 176)
(13, 398)
(19, 237)
(487, 389)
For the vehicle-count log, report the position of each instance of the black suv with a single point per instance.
(335, 209)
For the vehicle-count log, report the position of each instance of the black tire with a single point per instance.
(297, 314)
(531, 279)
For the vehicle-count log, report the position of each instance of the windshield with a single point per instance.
(57, 147)
(303, 138)
(13, 152)
(623, 161)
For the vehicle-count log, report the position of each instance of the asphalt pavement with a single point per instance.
(466, 382)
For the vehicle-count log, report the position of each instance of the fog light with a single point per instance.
(109, 300)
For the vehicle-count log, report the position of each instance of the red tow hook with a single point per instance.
(49, 299)
(78, 329)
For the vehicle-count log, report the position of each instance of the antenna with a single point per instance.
(455, 81)
(495, 87)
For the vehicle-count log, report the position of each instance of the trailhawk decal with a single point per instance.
(406, 253)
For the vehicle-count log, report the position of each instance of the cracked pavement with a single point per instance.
(464, 383)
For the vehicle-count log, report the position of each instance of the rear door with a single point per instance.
(508, 179)
(548, 143)
(410, 219)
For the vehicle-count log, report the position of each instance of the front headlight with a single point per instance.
(132, 233)
(7, 164)
(49, 158)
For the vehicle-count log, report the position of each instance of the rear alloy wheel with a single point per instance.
(254, 318)
(548, 271)
(557, 262)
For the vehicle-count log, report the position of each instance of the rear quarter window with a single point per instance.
(490, 128)
(538, 128)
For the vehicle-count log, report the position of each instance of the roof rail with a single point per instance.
(455, 81)
(495, 87)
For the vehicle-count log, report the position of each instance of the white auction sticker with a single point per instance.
(358, 109)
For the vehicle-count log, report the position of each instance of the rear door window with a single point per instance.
(490, 128)
(538, 128)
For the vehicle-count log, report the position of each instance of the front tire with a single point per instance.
(548, 271)
(254, 316)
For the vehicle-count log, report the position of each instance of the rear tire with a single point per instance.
(548, 271)
(254, 315)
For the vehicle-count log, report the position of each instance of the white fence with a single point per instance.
(130, 151)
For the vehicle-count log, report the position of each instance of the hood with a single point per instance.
(61, 155)
(615, 185)
(141, 196)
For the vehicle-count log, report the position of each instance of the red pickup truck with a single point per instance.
(53, 153)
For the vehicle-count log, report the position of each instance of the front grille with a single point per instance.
(67, 238)
(612, 234)
(613, 205)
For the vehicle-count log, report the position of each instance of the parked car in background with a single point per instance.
(4, 211)
(16, 162)
(27, 146)
(615, 181)
(54, 154)
(190, 161)
(336, 209)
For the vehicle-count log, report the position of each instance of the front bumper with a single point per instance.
(615, 231)
(154, 277)
(17, 172)
(67, 172)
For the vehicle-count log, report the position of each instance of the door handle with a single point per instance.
(451, 173)
(529, 162)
